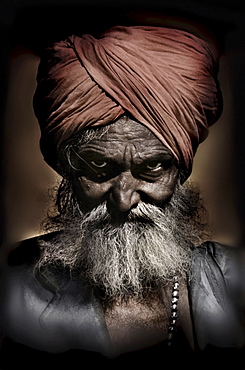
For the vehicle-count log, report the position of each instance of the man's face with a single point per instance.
(125, 166)
(139, 243)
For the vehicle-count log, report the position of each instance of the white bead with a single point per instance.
(175, 293)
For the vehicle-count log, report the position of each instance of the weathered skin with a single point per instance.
(126, 166)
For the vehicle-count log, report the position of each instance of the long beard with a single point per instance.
(123, 257)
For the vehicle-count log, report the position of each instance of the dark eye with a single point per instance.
(154, 166)
(153, 169)
(99, 163)
(149, 170)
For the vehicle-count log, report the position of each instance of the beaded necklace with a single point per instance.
(174, 311)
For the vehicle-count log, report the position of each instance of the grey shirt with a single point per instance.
(56, 313)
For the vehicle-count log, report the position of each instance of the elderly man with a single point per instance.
(119, 273)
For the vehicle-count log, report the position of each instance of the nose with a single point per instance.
(124, 193)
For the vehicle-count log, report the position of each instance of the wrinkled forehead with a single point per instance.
(126, 131)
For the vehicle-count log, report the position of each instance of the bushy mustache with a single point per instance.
(143, 212)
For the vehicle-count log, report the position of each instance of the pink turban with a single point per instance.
(165, 78)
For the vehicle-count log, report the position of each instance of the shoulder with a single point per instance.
(220, 261)
(26, 296)
(219, 267)
(21, 289)
(217, 294)
(22, 297)
(220, 256)
(18, 271)
(24, 252)
(214, 250)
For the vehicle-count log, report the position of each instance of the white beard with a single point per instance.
(126, 258)
(122, 258)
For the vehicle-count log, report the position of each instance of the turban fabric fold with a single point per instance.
(165, 78)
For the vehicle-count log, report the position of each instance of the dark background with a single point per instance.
(26, 27)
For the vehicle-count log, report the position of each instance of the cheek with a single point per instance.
(158, 194)
(89, 191)
(161, 191)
